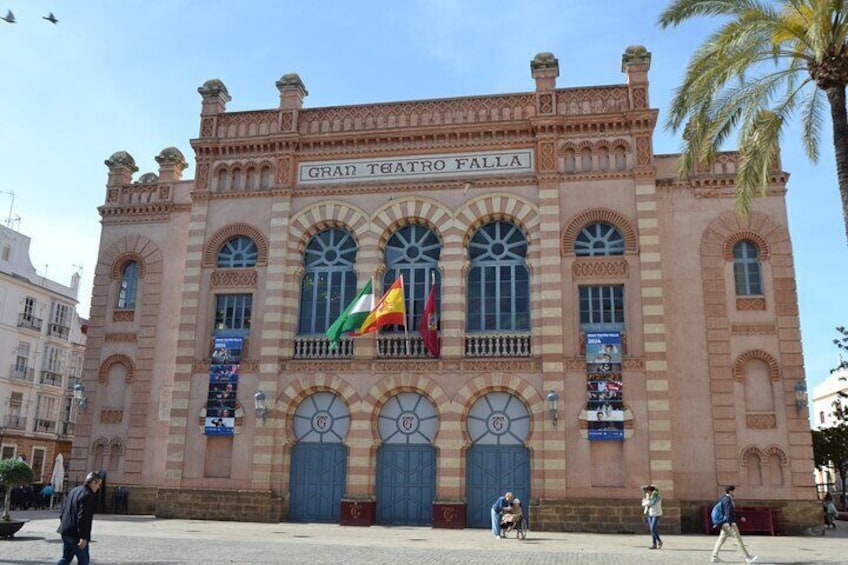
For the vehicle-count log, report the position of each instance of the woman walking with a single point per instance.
(652, 507)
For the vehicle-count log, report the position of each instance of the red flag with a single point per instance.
(428, 326)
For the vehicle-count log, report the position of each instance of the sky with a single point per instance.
(123, 75)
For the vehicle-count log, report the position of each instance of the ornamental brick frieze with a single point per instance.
(138, 194)
(753, 329)
(417, 114)
(123, 315)
(244, 367)
(111, 416)
(627, 364)
(546, 103)
(547, 156)
(760, 421)
(117, 337)
(234, 278)
(500, 365)
(590, 267)
(750, 304)
(207, 126)
(396, 189)
(583, 101)
(248, 124)
(157, 212)
(643, 151)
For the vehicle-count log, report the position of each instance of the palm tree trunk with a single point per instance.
(839, 117)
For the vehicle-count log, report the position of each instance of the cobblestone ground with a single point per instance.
(150, 541)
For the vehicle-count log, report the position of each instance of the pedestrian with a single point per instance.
(76, 516)
(502, 503)
(830, 511)
(652, 506)
(729, 527)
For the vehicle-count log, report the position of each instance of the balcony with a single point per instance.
(319, 348)
(497, 345)
(15, 423)
(58, 330)
(21, 373)
(67, 428)
(29, 321)
(51, 378)
(45, 426)
(401, 347)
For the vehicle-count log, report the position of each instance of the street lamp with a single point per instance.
(259, 405)
(79, 396)
(552, 405)
(1, 442)
(801, 400)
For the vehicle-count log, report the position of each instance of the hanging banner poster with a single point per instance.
(603, 352)
(223, 387)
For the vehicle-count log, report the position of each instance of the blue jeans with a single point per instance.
(496, 523)
(70, 549)
(653, 522)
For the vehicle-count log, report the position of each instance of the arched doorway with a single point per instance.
(406, 460)
(319, 458)
(497, 461)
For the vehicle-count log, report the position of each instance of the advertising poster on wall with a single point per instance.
(604, 402)
(223, 387)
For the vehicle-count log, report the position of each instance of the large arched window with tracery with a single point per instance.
(240, 251)
(746, 269)
(498, 280)
(597, 239)
(413, 251)
(329, 283)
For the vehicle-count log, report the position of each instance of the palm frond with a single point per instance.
(812, 122)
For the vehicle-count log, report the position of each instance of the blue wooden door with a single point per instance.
(406, 484)
(491, 471)
(317, 484)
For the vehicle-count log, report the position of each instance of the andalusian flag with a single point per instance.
(390, 310)
(353, 316)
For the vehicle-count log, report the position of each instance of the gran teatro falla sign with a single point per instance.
(416, 167)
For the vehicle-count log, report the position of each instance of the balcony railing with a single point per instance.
(29, 321)
(401, 347)
(58, 330)
(21, 373)
(67, 428)
(45, 426)
(15, 422)
(319, 348)
(497, 345)
(51, 378)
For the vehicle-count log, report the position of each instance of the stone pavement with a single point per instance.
(146, 540)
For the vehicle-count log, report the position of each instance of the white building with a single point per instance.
(824, 397)
(42, 342)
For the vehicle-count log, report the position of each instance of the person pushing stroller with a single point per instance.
(512, 520)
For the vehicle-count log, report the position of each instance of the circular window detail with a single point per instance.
(408, 418)
(498, 418)
(321, 418)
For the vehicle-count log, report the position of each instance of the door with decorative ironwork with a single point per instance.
(319, 459)
(497, 461)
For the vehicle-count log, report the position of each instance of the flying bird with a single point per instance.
(10, 17)
(50, 18)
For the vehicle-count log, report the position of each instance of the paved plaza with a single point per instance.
(152, 541)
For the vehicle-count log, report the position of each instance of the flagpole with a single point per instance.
(405, 324)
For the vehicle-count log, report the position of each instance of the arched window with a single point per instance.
(620, 159)
(237, 179)
(586, 160)
(570, 162)
(746, 269)
(239, 251)
(603, 159)
(223, 180)
(128, 286)
(412, 251)
(599, 238)
(250, 179)
(329, 283)
(498, 281)
(266, 178)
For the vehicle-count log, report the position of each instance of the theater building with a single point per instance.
(601, 324)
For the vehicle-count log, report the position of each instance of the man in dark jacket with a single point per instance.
(729, 527)
(76, 517)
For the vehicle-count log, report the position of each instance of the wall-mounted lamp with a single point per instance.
(259, 404)
(79, 396)
(801, 395)
(552, 405)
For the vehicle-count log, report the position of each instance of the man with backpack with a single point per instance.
(723, 517)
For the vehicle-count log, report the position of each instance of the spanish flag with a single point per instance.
(391, 309)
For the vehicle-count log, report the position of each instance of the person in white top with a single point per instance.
(652, 507)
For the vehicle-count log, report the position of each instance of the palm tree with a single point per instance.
(768, 60)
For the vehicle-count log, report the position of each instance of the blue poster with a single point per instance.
(604, 400)
(221, 400)
(603, 352)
